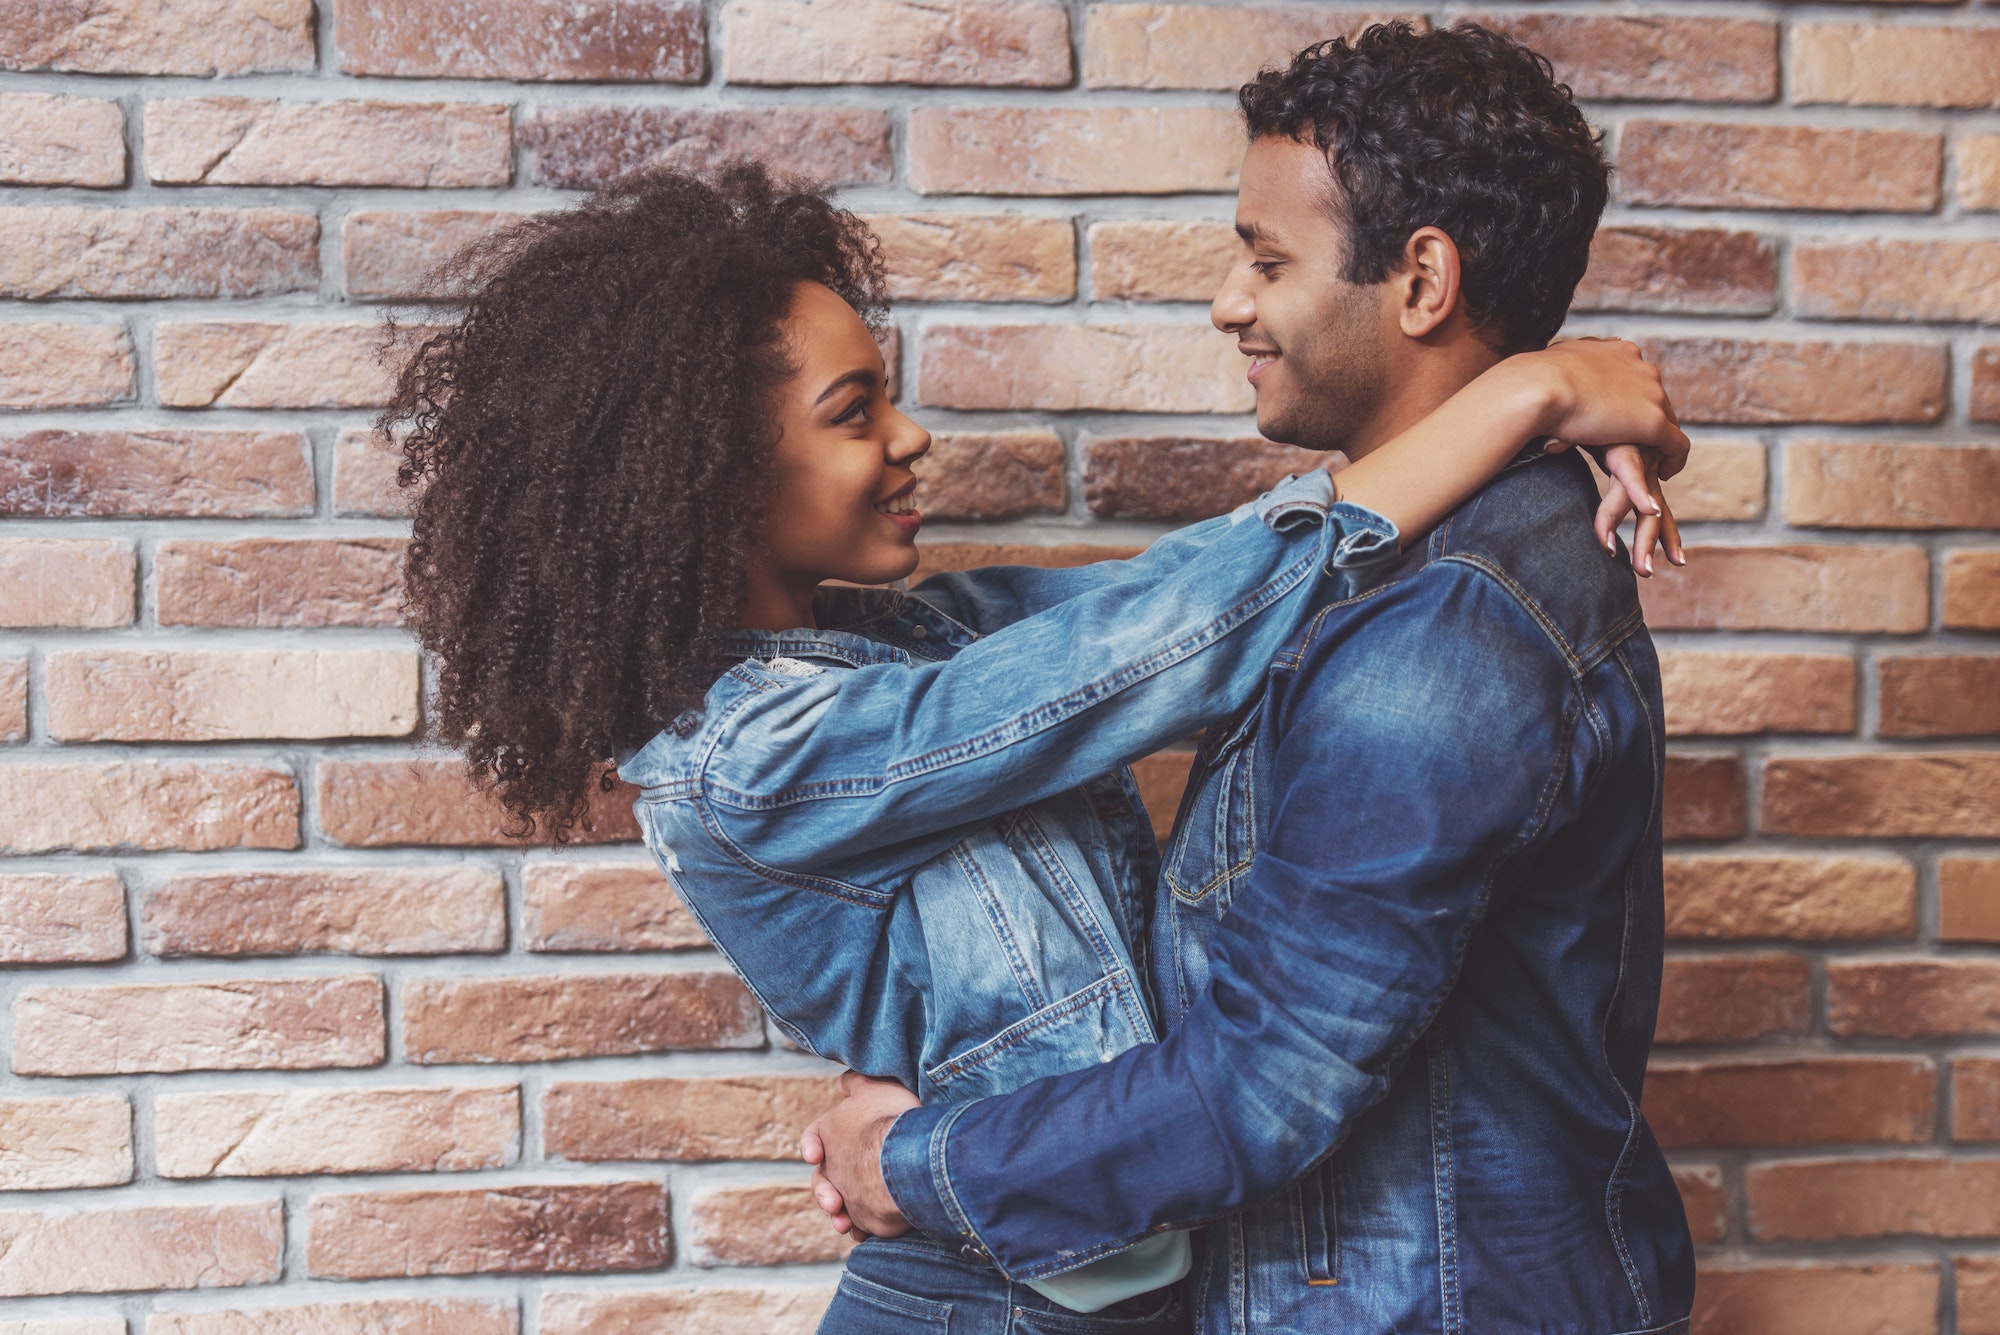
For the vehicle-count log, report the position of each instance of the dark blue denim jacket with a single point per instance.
(1409, 951)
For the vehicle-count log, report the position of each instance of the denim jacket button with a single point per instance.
(686, 722)
(972, 1251)
(918, 632)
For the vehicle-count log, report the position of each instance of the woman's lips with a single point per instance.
(909, 523)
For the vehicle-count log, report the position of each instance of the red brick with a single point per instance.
(264, 364)
(257, 141)
(1651, 58)
(1180, 477)
(603, 906)
(992, 475)
(64, 582)
(772, 1223)
(1803, 1101)
(1729, 694)
(1058, 368)
(13, 699)
(206, 695)
(1969, 899)
(1978, 1294)
(1810, 898)
(1705, 798)
(1940, 696)
(1704, 1200)
(1733, 998)
(1877, 64)
(1972, 590)
(1913, 998)
(166, 474)
(375, 911)
(708, 1310)
(1975, 1098)
(273, 1132)
(72, 251)
(1688, 271)
(115, 804)
(569, 1229)
(1897, 280)
(683, 1118)
(1020, 43)
(399, 255)
(383, 803)
(1872, 484)
(64, 365)
(364, 477)
(391, 1316)
(53, 1144)
(1762, 382)
(1163, 779)
(976, 257)
(50, 140)
(1884, 796)
(273, 582)
(549, 1018)
(1850, 589)
(938, 557)
(1851, 1299)
(1985, 404)
(1073, 150)
(49, 918)
(1822, 1199)
(1202, 46)
(1160, 261)
(195, 37)
(659, 41)
(123, 1250)
(583, 148)
(272, 1024)
(1707, 164)
(1978, 159)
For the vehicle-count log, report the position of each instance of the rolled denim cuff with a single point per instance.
(1301, 496)
(1368, 541)
(913, 1169)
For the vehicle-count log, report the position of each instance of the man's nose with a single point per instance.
(1233, 308)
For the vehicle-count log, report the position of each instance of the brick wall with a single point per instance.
(292, 1032)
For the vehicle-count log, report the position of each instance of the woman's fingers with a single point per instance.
(1627, 465)
(1611, 512)
(1642, 545)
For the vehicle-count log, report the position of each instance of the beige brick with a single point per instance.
(364, 477)
(1020, 43)
(374, 911)
(1847, 1299)
(1729, 898)
(1940, 793)
(1872, 484)
(1178, 477)
(938, 557)
(1686, 271)
(710, 1310)
(52, 918)
(66, 582)
(204, 695)
(400, 255)
(13, 699)
(1851, 589)
(133, 1249)
(1978, 160)
(1728, 694)
(1163, 780)
(549, 1018)
(388, 1316)
(263, 364)
(572, 1228)
(47, 139)
(1073, 150)
(180, 474)
(104, 805)
(1202, 46)
(72, 251)
(1985, 404)
(382, 803)
(1112, 367)
(992, 475)
(195, 37)
(1969, 899)
(290, 1024)
(49, 1144)
(1972, 590)
(1876, 64)
(583, 148)
(655, 41)
(64, 365)
(55, 1325)
(265, 1133)
(1705, 164)
(683, 1118)
(1160, 261)
(976, 257)
(1724, 479)
(1897, 280)
(273, 582)
(772, 1223)
(255, 141)
(1651, 58)
(603, 906)
(1755, 381)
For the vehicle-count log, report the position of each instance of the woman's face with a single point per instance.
(840, 501)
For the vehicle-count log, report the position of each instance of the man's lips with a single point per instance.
(1260, 360)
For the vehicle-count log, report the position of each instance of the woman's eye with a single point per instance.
(856, 411)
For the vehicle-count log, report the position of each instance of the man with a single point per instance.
(1408, 938)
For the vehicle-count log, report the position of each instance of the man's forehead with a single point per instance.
(1284, 193)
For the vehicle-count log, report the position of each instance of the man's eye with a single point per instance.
(1265, 267)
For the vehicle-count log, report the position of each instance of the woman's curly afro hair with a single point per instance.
(590, 437)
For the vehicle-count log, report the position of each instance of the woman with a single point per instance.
(658, 431)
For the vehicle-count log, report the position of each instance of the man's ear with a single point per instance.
(1428, 282)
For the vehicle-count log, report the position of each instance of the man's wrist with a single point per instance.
(913, 1171)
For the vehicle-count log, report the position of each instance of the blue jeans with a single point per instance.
(913, 1286)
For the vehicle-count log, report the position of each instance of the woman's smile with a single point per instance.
(900, 508)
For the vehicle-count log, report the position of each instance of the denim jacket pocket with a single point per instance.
(1088, 1026)
(1215, 833)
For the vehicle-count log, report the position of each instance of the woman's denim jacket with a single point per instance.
(911, 832)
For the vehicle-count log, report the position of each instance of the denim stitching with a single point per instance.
(1108, 958)
(1056, 1011)
(1444, 1182)
(989, 903)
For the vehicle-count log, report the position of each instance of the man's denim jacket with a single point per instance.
(910, 831)
(1409, 952)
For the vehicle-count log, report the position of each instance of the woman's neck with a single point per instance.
(773, 602)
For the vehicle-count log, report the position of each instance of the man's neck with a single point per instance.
(1432, 374)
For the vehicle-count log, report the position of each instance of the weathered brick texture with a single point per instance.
(253, 935)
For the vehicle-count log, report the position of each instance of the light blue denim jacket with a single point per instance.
(911, 832)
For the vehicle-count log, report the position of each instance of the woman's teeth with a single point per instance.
(906, 504)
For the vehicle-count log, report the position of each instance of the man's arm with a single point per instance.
(1415, 763)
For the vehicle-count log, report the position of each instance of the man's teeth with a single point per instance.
(906, 504)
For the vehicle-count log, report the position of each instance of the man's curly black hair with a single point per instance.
(591, 436)
(1460, 129)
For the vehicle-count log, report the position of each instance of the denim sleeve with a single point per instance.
(858, 776)
(1416, 756)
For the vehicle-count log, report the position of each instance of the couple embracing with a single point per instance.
(1362, 1050)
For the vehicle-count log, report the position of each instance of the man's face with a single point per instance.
(1319, 345)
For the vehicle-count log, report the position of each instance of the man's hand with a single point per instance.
(845, 1147)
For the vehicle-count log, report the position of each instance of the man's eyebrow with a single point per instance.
(859, 376)
(1256, 234)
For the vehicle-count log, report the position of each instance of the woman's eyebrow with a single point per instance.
(860, 376)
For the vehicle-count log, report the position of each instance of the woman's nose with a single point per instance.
(908, 442)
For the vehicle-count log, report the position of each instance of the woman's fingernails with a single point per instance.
(1649, 565)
